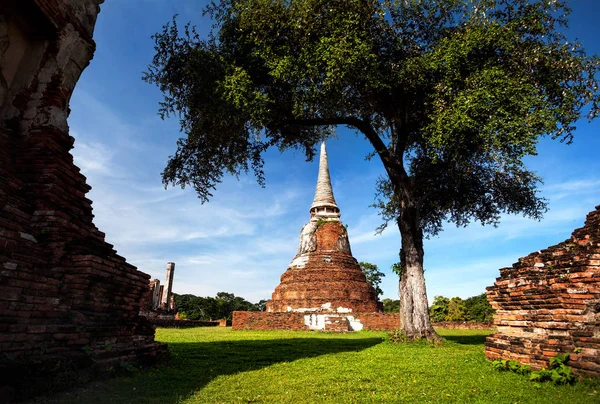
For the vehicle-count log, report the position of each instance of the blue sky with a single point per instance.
(244, 238)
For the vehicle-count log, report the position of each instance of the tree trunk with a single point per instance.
(414, 309)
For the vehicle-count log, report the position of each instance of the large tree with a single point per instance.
(451, 94)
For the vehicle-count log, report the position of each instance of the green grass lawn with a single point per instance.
(218, 365)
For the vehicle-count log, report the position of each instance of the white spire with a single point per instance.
(324, 203)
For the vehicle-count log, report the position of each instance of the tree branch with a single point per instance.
(390, 164)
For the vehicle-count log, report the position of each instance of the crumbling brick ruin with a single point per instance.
(68, 300)
(549, 303)
(159, 302)
(324, 282)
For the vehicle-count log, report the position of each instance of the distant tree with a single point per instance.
(391, 306)
(228, 303)
(211, 308)
(261, 305)
(479, 309)
(457, 310)
(439, 309)
(373, 275)
(451, 94)
(475, 308)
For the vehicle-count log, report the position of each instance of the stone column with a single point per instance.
(161, 291)
(166, 295)
(155, 285)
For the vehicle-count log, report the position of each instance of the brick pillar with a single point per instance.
(155, 285)
(160, 293)
(166, 295)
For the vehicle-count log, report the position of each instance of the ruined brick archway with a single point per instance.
(67, 297)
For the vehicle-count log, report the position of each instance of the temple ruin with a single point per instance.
(323, 288)
(69, 302)
(159, 302)
(549, 303)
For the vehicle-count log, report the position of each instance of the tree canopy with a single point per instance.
(220, 307)
(373, 275)
(475, 308)
(451, 94)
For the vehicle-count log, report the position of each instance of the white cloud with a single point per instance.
(92, 157)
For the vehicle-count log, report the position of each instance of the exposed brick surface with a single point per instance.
(328, 274)
(246, 320)
(334, 322)
(67, 296)
(260, 320)
(549, 303)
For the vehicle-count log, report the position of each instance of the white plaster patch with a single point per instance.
(343, 310)
(308, 241)
(354, 324)
(10, 265)
(304, 309)
(326, 306)
(315, 321)
(577, 291)
(299, 262)
(28, 237)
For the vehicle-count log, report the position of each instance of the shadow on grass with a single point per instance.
(194, 365)
(467, 339)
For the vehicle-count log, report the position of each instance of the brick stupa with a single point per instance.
(324, 276)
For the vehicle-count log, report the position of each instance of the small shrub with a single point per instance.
(513, 366)
(559, 373)
(398, 337)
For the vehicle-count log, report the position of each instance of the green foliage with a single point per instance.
(398, 337)
(261, 305)
(479, 309)
(457, 310)
(439, 309)
(513, 366)
(320, 222)
(461, 89)
(213, 308)
(397, 269)
(391, 305)
(475, 308)
(559, 373)
(373, 275)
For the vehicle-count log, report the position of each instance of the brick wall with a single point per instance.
(66, 297)
(549, 303)
(249, 320)
(261, 320)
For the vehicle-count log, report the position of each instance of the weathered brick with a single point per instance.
(564, 307)
(51, 250)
